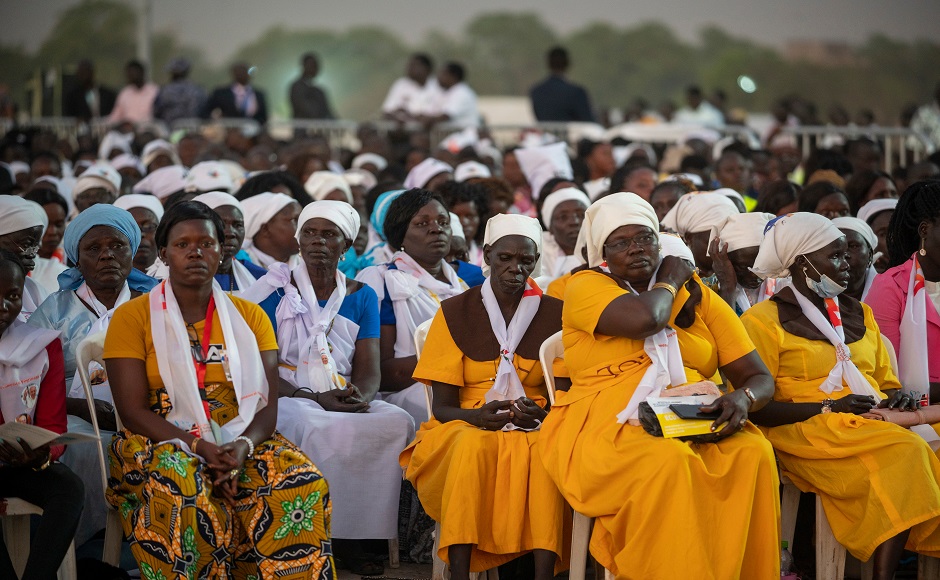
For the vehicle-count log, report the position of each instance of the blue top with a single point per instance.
(362, 308)
(471, 275)
(269, 304)
(556, 99)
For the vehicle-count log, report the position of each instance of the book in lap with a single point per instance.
(37, 436)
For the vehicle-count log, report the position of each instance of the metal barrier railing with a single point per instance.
(900, 145)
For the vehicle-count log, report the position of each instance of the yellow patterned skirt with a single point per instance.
(277, 527)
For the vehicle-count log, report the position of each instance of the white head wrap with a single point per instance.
(743, 230)
(540, 164)
(156, 148)
(561, 196)
(790, 236)
(260, 209)
(699, 211)
(55, 182)
(369, 159)
(126, 160)
(612, 212)
(18, 167)
(322, 183)
(695, 179)
(209, 176)
(98, 175)
(340, 213)
(471, 170)
(672, 245)
(216, 199)
(114, 140)
(422, 173)
(163, 182)
(502, 225)
(596, 187)
(360, 178)
(857, 225)
(145, 201)
(875, 207)
(18, 214)
(730, 193)
(456, 229)
(235, 171)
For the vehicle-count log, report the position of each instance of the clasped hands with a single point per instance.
(225, 463)
(523, 413)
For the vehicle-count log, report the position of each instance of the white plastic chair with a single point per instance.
(421, 334)
(16, 517)
(553, 348)
(90, 350)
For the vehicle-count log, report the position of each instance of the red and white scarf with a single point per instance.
(913, 369)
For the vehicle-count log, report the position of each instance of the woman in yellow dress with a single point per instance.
(878, 482)
(474, 464)
(205, 486)
(663, 508)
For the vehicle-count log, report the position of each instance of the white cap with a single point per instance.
(471, 170)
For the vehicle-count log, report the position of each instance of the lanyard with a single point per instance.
(201, 366)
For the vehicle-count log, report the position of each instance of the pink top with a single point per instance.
(134, 105)
(888, 297)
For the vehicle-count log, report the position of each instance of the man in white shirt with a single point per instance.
(458, 103)
(413, 94)
(698, 111)
(135, 101)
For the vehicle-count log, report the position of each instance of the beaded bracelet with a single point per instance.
(251, 444)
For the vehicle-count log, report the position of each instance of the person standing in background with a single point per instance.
(556, 99)
(135, 101)
(238, 100)
(307, 100)
(180, 98)
(87, 100)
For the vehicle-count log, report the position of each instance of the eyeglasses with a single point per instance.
(642, 241)
(28, 251)
(195, 345)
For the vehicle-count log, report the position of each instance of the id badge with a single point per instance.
(226, 367)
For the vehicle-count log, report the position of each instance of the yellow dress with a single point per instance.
(556, 289)
(486, 488)
(278, 526)
(664, 508)
(874, 479)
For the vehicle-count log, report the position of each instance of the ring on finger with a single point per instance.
(742, 422)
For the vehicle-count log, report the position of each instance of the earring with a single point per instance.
(403, 248)
(342, 258)
(923, 251)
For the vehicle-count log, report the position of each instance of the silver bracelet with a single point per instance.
(251, 445)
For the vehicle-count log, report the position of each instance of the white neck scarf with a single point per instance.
(869, 278)
(33, 296)
(913, 369)
(416, 296)
(507, 386)
(844, 368)
(175, 362)
(666, 368)
(23, 362)
(89, 298)
(243, 278)
(303, 325)
(767, 289)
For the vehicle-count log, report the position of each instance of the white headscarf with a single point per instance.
(114, 140)
(163, 182)
(243, 278)
(209, 176)
(175, 363)
(562, 195)
(790, 236)
(340, 213)
(360, 178)
(859, 226)
(471, 170)
(699, 211)
(369, 159)
(132, 200)
(743, 230)
(259, 210)
(540, 164)
(875, 207)
(322, 183)
(502, 225)
(126, 160)
(18, 214)
(609, 213)
(456, 230)
(156, 148)
(98, 175)
(422, 173)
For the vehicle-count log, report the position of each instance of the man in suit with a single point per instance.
(556, 99)
(239, 100)
(86, 100)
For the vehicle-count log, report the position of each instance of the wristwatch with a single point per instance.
(827, 406)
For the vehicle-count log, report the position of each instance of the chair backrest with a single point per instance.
(421, 334)
(91, 350)
(551, 349)
(891, 354)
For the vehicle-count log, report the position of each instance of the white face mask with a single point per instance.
(826, 287)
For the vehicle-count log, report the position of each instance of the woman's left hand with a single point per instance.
(733, 408)
(227, 482)
(526, 414)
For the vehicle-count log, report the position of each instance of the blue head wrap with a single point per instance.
(380, 210)
(102, 215)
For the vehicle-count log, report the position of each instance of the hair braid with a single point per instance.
(919, 203)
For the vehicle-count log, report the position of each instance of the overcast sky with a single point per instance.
(219, 27)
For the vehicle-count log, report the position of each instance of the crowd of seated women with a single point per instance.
(259, 351)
